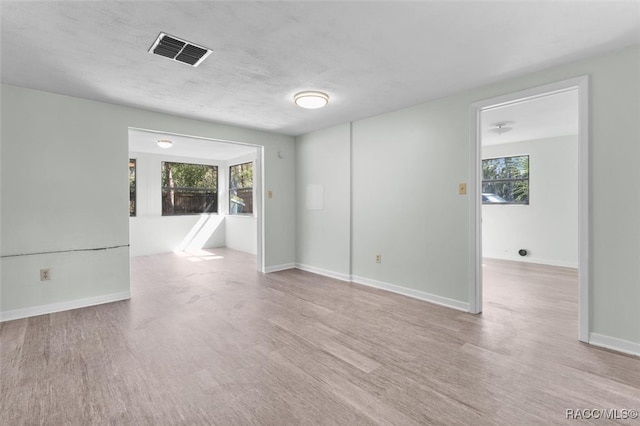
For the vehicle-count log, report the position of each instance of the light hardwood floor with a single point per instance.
(207, 340)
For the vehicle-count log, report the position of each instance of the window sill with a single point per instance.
(190, 214)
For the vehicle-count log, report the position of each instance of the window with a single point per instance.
(132, 187)
(505, 180)
(189, 189)
(241, 189)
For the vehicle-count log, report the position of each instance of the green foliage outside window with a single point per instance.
(241, 188)
(505, 180)
(132, 187)
(189, 188)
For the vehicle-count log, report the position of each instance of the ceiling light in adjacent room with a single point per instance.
(501, 127)
(311, 100)
(164, 143)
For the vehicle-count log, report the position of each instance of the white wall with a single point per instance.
(64, 184)
(323, 236)
(406, 167)
(62, 203)
(164, 234)
(240, 233)
(548, 226)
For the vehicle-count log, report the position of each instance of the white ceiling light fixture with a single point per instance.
(311, 99)
(501, 127)
(164, 143)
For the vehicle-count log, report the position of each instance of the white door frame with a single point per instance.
(475, 189)
(258, 193)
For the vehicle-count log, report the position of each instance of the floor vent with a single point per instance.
(179, 50)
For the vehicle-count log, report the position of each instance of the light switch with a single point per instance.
(462, 189)
(269, 194)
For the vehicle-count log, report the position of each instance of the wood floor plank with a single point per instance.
(206, 339)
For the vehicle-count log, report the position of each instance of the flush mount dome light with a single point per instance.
(311, 100)
(164, 143)
(501, 127)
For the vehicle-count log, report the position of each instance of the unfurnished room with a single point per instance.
(306, 212)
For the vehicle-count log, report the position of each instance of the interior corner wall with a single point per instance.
(240, 231)
(323, 234)
(406, 167)
(547, 227)
(64, 204)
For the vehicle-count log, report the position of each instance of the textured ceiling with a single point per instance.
(370, 57)
(186, 146)
(539, 118)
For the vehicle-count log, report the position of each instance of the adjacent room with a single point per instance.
(272, 213)
(530, 212)
(189, 194)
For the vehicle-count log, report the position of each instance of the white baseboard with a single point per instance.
(416, 294)
(276, 268)
(613, 343)
(324, 272)
(62, 306)
(538, 261)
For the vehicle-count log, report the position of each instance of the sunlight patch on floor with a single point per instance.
(197, 255)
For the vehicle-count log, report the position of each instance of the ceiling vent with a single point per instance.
(179, 50)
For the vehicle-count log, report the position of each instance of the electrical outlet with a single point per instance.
(45, 274)
(378, 258)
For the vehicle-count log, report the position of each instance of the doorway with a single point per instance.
(579, 86)
(194, 195)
